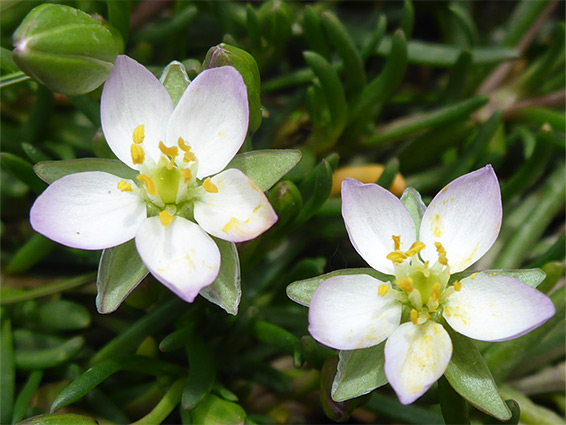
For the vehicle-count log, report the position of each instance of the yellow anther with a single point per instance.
(457, 285)
(165, 218)
(171, 152)
(435, 292)
(382, 290)
(414, 316)
(415, 249)
(149, 184)
(189, 157)
(209, 186)
(139, 134)
(406, 284)
(138, 155)
(397, 242)
(124, 186)
(187, 175)
(184, 147)
(396, 256)
(441, 254)
(474, 275)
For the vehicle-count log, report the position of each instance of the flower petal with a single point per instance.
(133, 96)
(465, 217)
(415, 357)
(238, 211)
(212, 118)
(492, 307)
(181, 255)
(372, 216)
(347, 313)
(88, 211)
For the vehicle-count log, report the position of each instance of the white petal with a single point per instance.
(347, 313)
(133, 96)
(465, 217)
(88, 211)
(212, 117)
(372, 216)
(181, 255)
(492, 307)
(238, 212)
(415, 357)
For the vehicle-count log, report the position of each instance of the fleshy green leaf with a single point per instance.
(470, 377)
(50, 171)
(225, 291)
(8, 372)
(49, 357)
(266, 167)
(63, 315)
(120, 270)
(175, 80)
(60, 419)
(359, 372)
(531, 277)
(315, 189)
(214, 410)
(301, 291)
(202, 373)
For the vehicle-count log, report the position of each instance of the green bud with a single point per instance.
(223, 55)
(66, 49)
(287, 201)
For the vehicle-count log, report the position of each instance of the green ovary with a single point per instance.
(167, 183)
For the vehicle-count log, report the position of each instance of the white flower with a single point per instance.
(459, 226)
(180, 153)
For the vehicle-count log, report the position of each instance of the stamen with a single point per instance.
(124, 186)
(396, 256)
(138, 155)
(171, 152)
(441, 254)
(149, 184)
(382, 290)
(184, 147)
(139, 134)
(415, 249)
(397, 242)
(189, 157)
(414, 316)
(209, 186)
(187, 175)
(406, 284)
(435, 292)
(165, 218)
(457, 285)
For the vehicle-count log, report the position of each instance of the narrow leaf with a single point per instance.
(202, 373)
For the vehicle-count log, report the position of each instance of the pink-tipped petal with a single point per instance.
(181, 255)
(347, 312)
(373, 216)
(238, 211)
(416, 356)
(212, 118)
(465, 217)
(492, 307)
(88, 211)
(133, 96)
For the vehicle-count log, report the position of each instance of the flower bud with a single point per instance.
(223, 55)
(64, 48)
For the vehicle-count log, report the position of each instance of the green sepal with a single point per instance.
(245, 64)
(226, 291)
(215, 410)
(119, 272)
(412, 200)
(175, 80)
(470, 377)
(49, 171)
(302, 291)
(359, 372)
(66, 49)
(266, 167)
(530, 277)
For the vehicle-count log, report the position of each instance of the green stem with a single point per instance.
(169, 401)
(454, 407)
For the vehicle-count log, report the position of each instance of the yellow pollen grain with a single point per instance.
(382, 290)
(149, 184)
(435, 292)
(139, 134)
(165, 218)
(171, 152)
(209, 186)
(436, 226)
(184, 147)
(441, 254)
(414, 316)
(406, 284)
(474, 275)
(396, 256)
(415, 249)
(457, 285)
(397, 242)
(138, 155)
(124, 186)
(187, 175)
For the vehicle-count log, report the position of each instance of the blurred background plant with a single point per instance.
(404, 94)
